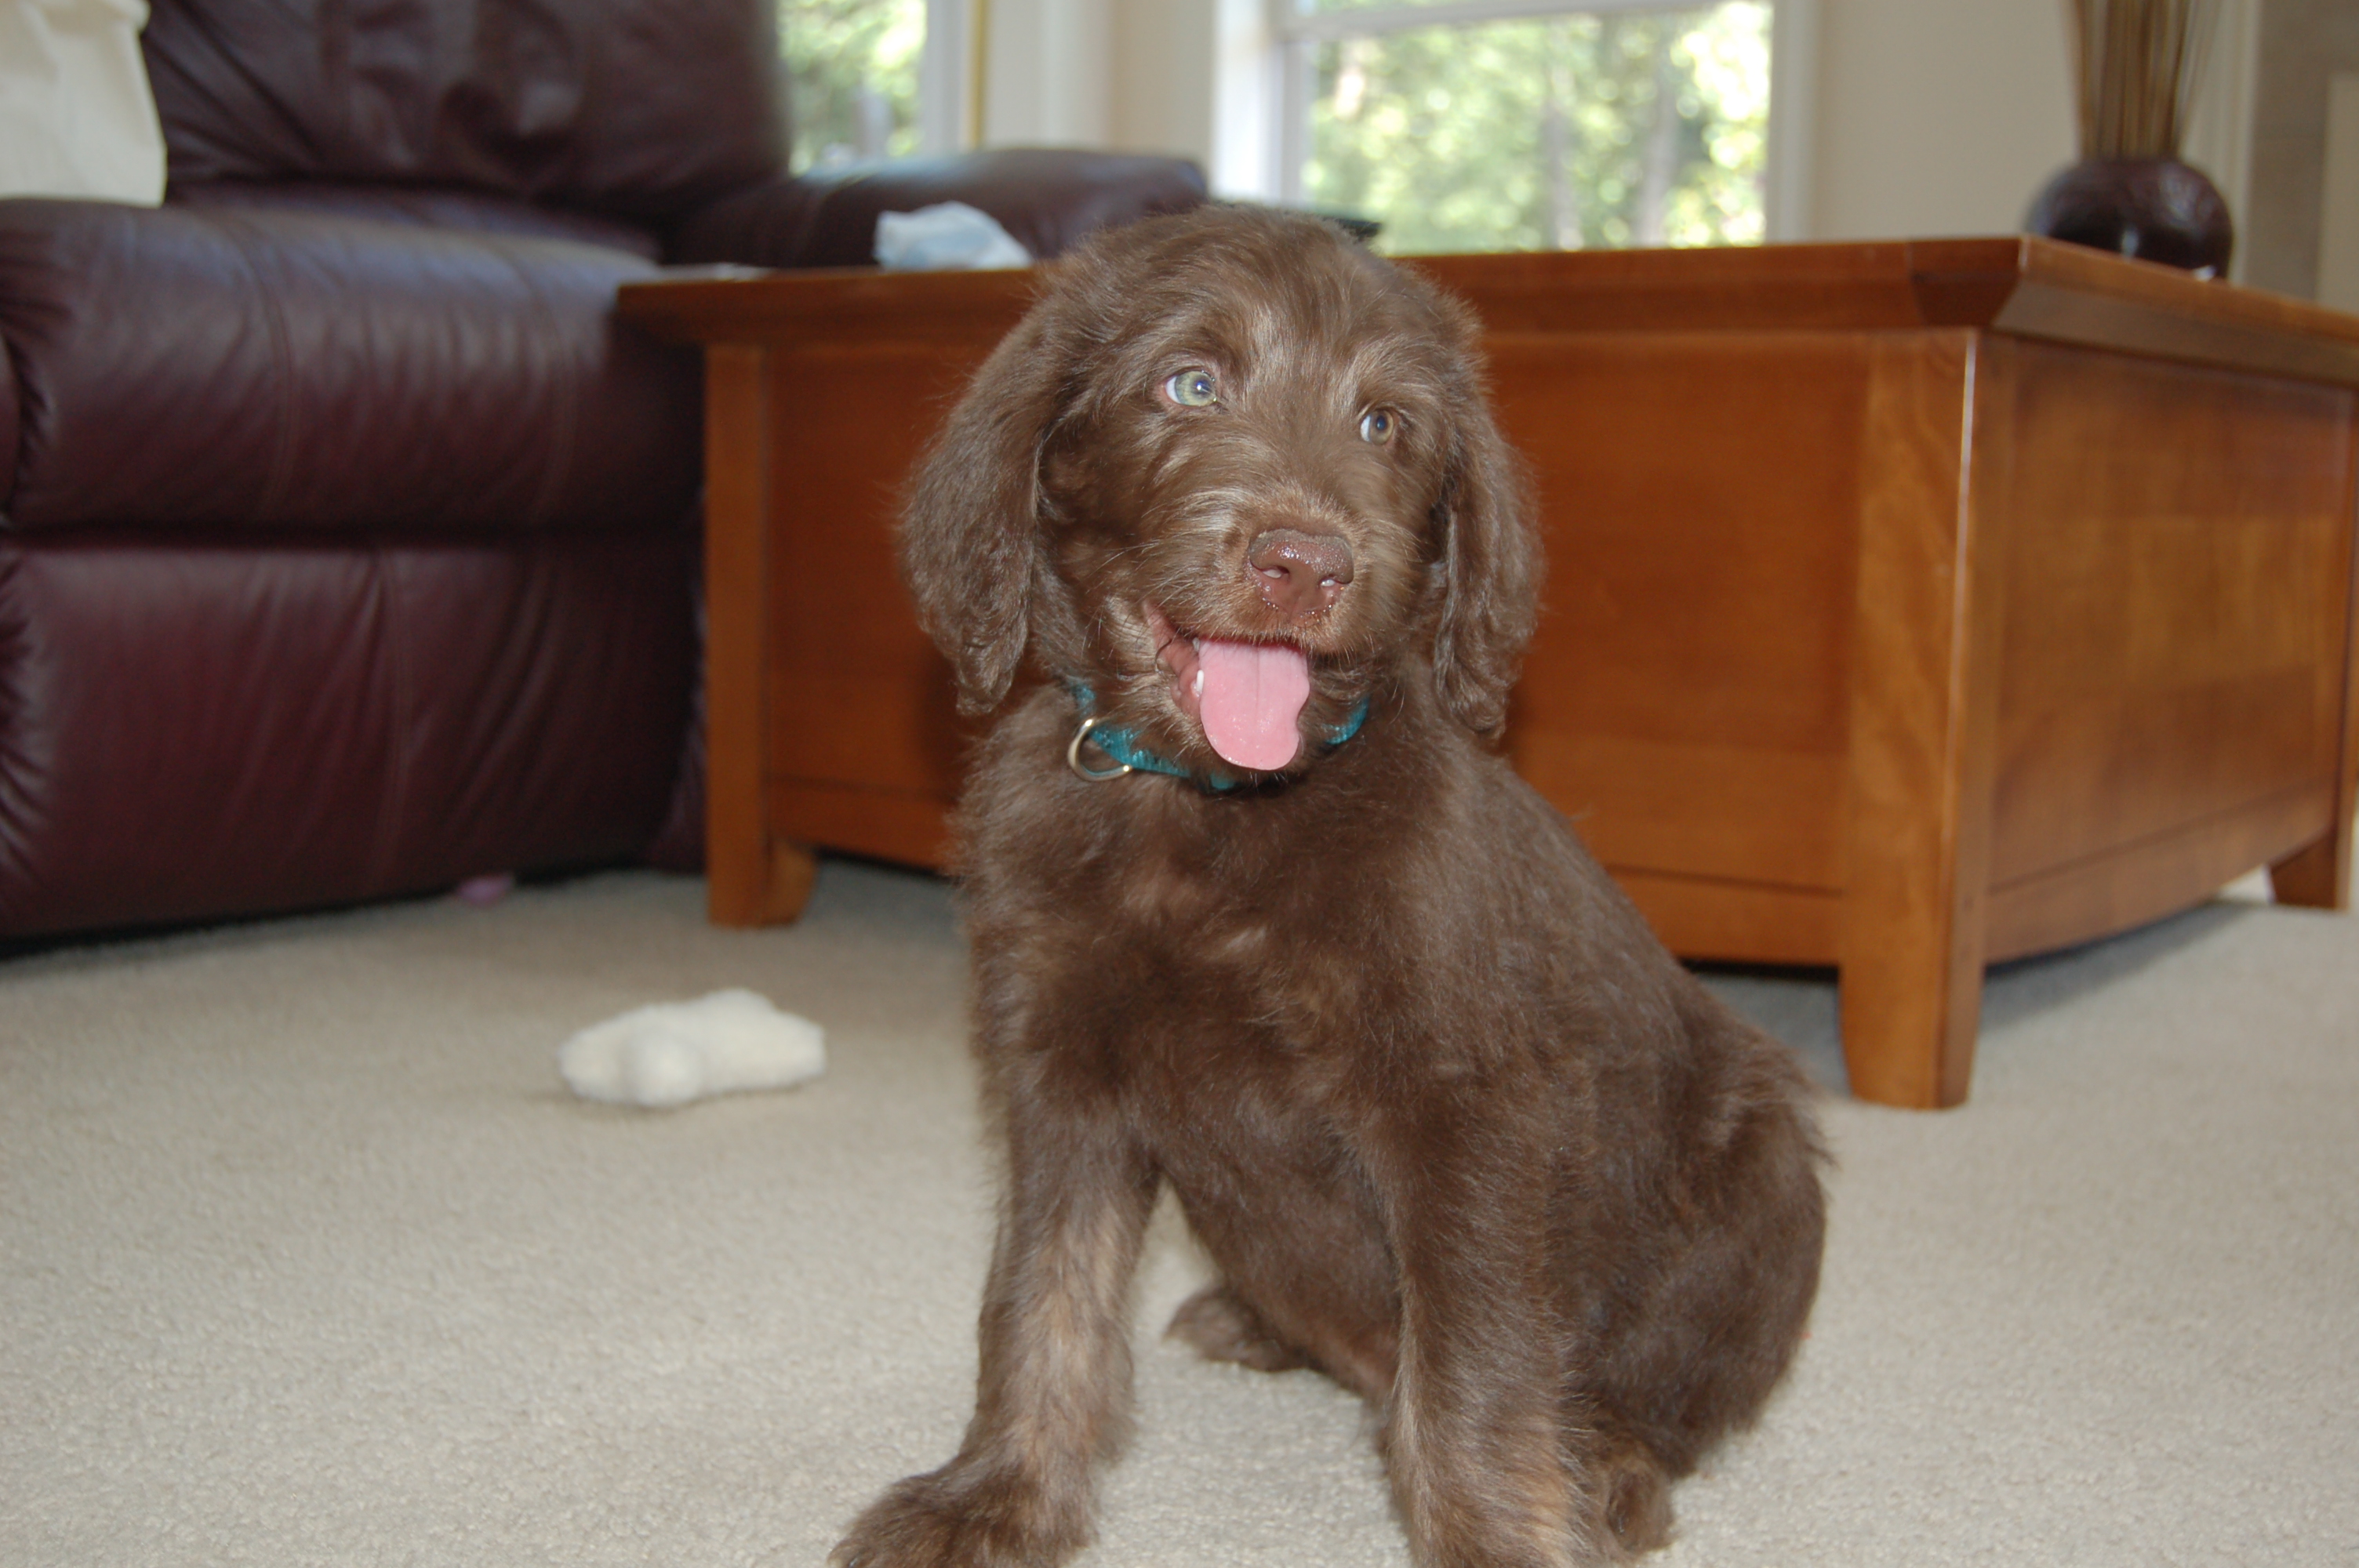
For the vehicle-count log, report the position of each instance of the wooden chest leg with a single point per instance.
(1923, 718)
(2317, 875)
(1911, 1001)
(751, 878)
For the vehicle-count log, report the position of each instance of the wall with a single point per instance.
(1165, 76)
(1049, 74)
(2338, 238)
(1135, 75)
(1937, 116)
(2303, 43)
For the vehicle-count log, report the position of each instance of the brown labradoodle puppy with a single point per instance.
(1256, 914)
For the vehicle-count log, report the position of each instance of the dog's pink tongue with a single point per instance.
(1252, 696)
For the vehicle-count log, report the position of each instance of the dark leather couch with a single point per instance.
(349, 540)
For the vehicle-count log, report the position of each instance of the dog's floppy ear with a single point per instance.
(1491, 596)
(970, 533)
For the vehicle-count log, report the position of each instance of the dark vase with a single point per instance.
(2156, 209)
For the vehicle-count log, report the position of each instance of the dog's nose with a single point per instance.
(1298, 573)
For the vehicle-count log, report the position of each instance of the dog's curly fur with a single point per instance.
(1455, 1128)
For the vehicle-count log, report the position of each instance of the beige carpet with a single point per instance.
(307, 1256)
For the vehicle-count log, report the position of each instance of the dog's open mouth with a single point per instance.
(1247, 696)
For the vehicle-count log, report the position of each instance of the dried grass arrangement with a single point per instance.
(2138, 65)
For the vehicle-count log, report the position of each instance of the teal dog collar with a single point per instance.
(1129, 756)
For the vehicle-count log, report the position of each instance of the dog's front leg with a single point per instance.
(1474, 1432)
(1054, 1391)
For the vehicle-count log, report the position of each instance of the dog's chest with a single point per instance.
(1225, 950)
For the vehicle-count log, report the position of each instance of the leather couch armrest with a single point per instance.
(258, 368)
(1048, 198)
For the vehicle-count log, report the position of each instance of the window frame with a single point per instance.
(948, 64)
(1293, 35)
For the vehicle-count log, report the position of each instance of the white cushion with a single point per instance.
(76, 115)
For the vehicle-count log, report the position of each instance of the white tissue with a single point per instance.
(944, 237)
(672, 1053)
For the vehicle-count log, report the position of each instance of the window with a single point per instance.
(1534, 124)
(852, 78)
(872, 78)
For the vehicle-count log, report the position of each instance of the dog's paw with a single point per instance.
(950, 1521)
(1635, 1498)
(1221, 1327)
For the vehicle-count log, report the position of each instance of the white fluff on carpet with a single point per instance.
(674, 1051)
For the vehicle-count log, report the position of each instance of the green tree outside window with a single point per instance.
(852, 68)
(1634, 127)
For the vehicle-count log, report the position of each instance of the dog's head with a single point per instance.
(1230, 469)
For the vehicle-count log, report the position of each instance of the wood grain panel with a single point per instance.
(2158, 876)
(913, 830)
(2105, 771)
(882, 730)
(2176, 620)
(857, 694)
(849, 427)
(1729, 813)
(1697, 494)
(1735, 922)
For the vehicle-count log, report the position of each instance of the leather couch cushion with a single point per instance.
(425, 205)
(194, 730)
(8, 414)
(253, 370)
(637, 107)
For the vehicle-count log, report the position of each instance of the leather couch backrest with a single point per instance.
(638, 108)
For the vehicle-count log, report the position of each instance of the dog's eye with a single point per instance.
(1193, 389)
(1377, 425)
